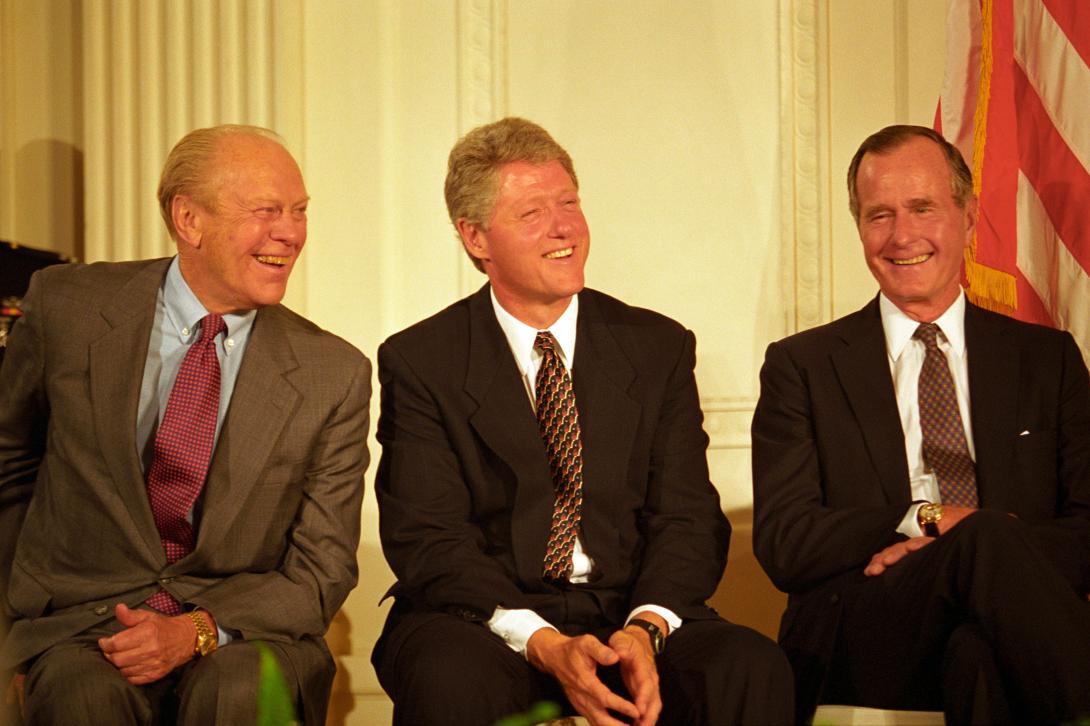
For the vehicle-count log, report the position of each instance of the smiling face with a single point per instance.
(536, 243)
(239, 255)
(914, 233)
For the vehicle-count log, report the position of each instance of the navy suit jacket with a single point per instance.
(464, 488)
(830, 474)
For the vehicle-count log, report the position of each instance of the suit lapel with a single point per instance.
(608, 420)
(993, 390)
(116, 372)
(505, 421)
(262, 402)
(862, 367)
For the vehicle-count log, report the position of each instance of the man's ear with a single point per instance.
(972, 216)
(188, 217)
(474, 239)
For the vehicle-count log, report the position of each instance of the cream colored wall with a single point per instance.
(41, 158)
(710, 138)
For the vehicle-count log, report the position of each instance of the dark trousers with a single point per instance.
(447, 670)
(72, 683)
(977, 623)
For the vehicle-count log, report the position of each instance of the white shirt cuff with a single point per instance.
(516, 627)
(910, 525)
(671, 618)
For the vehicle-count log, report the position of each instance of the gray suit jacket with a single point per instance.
(276, 546)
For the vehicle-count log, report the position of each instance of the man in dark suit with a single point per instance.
(922, 475)
(141, 571)
(546, 549)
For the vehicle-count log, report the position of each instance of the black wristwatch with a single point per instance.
(658, 640)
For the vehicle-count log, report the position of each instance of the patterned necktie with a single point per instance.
(183, 450)
(558, 421)
(944, 448)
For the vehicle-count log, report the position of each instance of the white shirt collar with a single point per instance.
(899, 328)
(520, 336)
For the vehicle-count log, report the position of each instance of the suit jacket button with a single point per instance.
(834, 599)
(166, 580)
(101, 610)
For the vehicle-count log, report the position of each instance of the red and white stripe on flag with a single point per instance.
(1016, 101)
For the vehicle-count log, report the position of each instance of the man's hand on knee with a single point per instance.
(574, 663)
(637, 660)
(151, 646)
(893, 554)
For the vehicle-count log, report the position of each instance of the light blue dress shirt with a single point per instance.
(178, 313)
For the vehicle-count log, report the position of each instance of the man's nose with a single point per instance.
(289, 228)
(903, 229)
(561, 224)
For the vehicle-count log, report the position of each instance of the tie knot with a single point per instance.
(545, 341)
(928, 334)
(211, 326)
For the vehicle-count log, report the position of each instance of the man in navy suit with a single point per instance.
(481, 627)
(927, 570)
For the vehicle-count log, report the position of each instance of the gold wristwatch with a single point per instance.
(929, 516)
(207, 639)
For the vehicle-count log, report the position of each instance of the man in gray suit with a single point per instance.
(127, 606)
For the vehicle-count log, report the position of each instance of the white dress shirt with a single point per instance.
(906, 355)
(516, 626)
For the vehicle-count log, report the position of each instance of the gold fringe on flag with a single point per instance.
(988, 287)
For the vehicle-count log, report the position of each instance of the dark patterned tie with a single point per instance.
(944, 448)
(558, 421)
(183, 450)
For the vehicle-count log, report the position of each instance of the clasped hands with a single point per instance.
(574, 662)
(893, 554)
(151, 645)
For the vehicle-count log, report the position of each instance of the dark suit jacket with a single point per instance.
(276, 544)
(830, 474)
(464, 488)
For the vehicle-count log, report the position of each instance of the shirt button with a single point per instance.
(101, 610)
(230, 342)
(185, 331)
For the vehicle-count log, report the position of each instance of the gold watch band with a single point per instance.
(207, 638)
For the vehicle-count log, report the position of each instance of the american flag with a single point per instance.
(1016, 101)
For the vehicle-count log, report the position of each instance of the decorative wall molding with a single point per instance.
(803, 164)
(482, 83)
(727, 421)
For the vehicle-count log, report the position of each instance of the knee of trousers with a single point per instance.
(221, 684)
(968, 646)
(74, 687)
(734, 652)
(990, 532)
(447, 660)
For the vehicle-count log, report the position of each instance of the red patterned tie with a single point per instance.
(944, 448)
(183, 450)
(558, 421)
